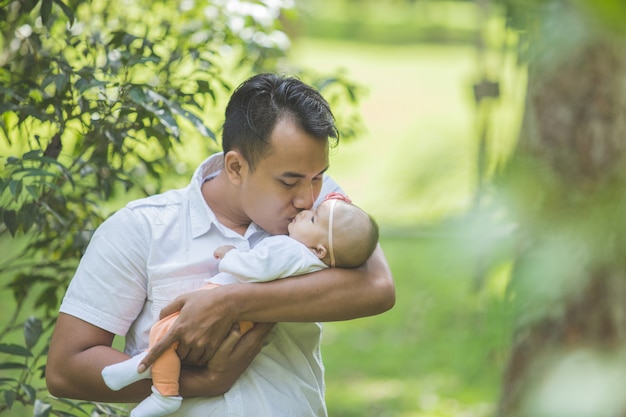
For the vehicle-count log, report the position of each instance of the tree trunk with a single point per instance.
(567, 183)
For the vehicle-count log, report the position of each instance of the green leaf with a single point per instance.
(9, 397)
(15, 186)
(32, 155)
(13, 349)
(134, 60)
(37, 172)
(32, 190)
(47, 80)
(6, 380)
(66, 11)
(12, 365)
(46, 9)
(27, 215)
(31, 392)
(83, 84)
(195, 120)
(137, 95)
(61, 81)
(32, 331)
(10, 220)
(158, 106)
(48, 297)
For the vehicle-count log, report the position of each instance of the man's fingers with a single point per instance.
(261, 330)
(157, 350)
(172, 307)
(228, 344)
(255, 336)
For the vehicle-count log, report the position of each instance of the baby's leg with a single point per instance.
(166, 369)
(165, 374)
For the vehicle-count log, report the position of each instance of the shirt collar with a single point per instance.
(201, 215)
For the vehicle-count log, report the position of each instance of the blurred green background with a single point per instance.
(441, 350)
(104, 101)
(415, 167)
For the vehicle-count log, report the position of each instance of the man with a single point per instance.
(275, 140)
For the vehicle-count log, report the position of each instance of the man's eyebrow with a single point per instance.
(290, 174)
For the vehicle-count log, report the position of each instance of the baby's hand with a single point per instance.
(222, 250)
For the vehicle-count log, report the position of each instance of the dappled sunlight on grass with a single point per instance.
(420, 396)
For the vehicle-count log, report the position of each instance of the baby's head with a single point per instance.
(338, 232)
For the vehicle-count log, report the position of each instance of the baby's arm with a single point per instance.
(272, 258)
(222, 250)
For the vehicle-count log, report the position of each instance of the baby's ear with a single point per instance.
(319, 251)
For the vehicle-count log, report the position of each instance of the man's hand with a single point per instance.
(204, 322)
(231, 359)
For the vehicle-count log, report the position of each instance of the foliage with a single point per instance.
(391, 22)
(564, 188)
(94, 101)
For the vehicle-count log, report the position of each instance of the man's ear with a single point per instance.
(319, 251)
(235, 165)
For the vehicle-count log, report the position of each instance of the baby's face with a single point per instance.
(310, 227)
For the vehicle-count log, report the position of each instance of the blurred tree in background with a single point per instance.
(566, 188)
(98, 99)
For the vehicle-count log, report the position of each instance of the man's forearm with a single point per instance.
(329, 295)
(80, 378)
(79, 351)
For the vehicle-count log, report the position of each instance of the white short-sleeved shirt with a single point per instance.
(156, 248)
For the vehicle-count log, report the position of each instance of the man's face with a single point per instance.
(286, 180)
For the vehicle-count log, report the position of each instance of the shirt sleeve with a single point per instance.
(108, 289)
(272, 258)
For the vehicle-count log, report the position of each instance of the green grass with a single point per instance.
(439, 351)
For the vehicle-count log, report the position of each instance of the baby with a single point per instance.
(335, 234)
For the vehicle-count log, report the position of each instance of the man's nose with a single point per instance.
(305, 197)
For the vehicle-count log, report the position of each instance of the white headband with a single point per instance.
(330, 232)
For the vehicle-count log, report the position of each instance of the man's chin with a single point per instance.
(277, 230)
(281, 231)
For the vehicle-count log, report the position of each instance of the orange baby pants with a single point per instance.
(166, 369)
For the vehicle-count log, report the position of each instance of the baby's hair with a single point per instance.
(355, 236)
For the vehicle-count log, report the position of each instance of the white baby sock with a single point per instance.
(122, 374)
(156, 405)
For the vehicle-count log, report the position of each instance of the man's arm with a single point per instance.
(79, 351)
(329, 295)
